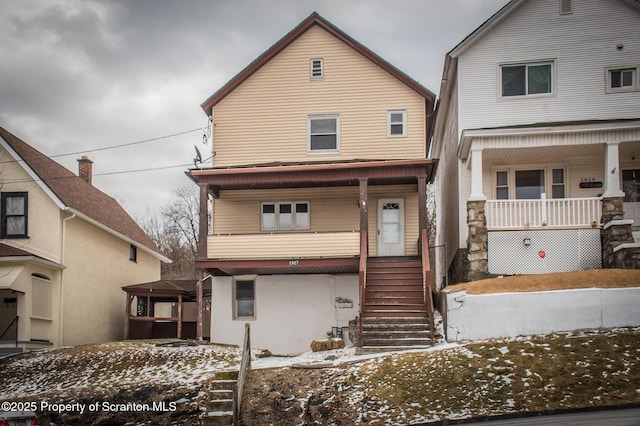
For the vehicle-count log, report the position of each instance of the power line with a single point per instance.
(13, 181)
(112, 146)
(127, 144)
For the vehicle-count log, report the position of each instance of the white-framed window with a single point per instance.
(396, 123)
(530, 184)
(244, 298)
(323, 133)
(41, 297)
(502, 185)
(622, 79)
(557, 183)
(317, 69)
(290, 215)
(526, 79)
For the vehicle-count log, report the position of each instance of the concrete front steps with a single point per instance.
(220, 405)
(383, 334)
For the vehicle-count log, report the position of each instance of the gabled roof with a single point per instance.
(74, 194)
(498, 17)
(304, 26)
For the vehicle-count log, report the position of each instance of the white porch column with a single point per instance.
(476, 175)
(612, 171)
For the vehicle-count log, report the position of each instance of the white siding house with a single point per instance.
(539, 125)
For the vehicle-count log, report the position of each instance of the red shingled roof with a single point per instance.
(79, 195)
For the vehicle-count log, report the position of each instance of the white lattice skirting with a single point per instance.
(548, 250)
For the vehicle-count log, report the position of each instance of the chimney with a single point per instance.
(85, 169)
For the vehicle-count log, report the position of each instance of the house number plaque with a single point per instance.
(590, 182)
(294, 262)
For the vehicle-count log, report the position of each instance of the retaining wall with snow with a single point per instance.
(482, 316)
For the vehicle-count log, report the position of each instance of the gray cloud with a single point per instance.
(77, 75)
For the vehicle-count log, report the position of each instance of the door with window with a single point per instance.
(391, 227)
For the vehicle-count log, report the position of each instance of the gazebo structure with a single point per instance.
(166, 309)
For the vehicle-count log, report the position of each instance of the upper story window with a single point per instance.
(14, 206)
(323, 133)
(317, 69)
(396, 123)
(527, 79)
(622, 80)
(566, 7)
(133, 253)
(285, 216)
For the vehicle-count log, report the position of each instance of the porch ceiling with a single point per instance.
(316, 174)
(280, 266)
(543, 153)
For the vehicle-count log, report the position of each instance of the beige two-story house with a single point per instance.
(316, 191)
(66, 249)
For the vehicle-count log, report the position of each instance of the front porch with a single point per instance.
(257, 230)
(541, 198)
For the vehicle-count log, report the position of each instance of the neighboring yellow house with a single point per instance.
(66, 250)
(317, 190)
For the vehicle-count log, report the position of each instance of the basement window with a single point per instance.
(244, 299)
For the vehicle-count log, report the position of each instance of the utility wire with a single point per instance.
(12, 181)
(127, 144)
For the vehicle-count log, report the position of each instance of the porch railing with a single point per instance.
(559, 212)
(426, 280)
(283, 245)
(245, 365)
(362, 279)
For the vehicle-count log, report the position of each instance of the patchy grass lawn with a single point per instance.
(117, 373)
(593, 278)
(559, 371)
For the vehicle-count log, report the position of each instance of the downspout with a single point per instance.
(62, 251)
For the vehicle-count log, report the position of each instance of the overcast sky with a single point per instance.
(76, 76)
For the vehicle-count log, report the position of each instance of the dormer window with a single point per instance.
(317, 69)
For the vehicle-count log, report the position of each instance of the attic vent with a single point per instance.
(566, 7)
(316, 69)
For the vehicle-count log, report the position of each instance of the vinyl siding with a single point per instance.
(265, 118)
(583, 46)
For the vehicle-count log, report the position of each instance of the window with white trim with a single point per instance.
(502, 185)
(285, 216)
(557, 183)
(526, 79)
(323, 133)
(622, 80)
(396, 123)
(317, 69)
(244, 299)
(530, 184)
